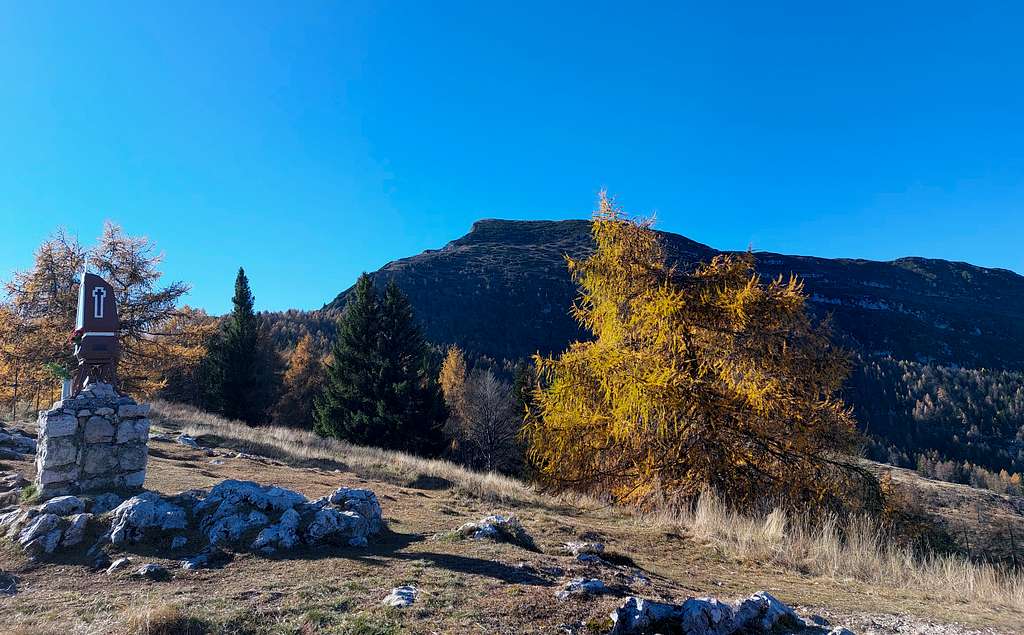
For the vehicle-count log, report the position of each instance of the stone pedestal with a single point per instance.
(95, 441)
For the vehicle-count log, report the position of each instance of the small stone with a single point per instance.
(98, 430)
(186, 440)
(102, 412)
(583, 587)
(129, 431)
(57, 452)
(57, 425)
(133, 410)
(584, 548)
(98, 459)
(152, 571)
(48, 477)
(401, 597)
(207, 558)
(132, 457)
(118, 564)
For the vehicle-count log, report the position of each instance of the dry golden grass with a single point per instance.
(816, 546)
(858, 551)
(165, 619)
(303, 446)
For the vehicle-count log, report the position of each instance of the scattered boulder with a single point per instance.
(765, 612)
(206, 559)
(118, 564)
(401, 597)
(152, 571)
(584, 587)
(8, 583)
(499, 529)
(584, 548)
(191, 442)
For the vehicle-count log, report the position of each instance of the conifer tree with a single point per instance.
(378, 389)
(243, 373)
(300, 386)
(710, 378)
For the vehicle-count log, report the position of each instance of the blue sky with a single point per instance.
(309, 141)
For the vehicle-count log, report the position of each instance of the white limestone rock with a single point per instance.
(132, 431)
(362, 501)
(128, 411)
(103, 503)
(142, 514)
(98, 430)
(98, 459)
(500, 529)
(56, 453)
(765, 612)
(41, 535)
(333, 526)
(152, 571)
(283, 535)
(582, 587)
(62, 506)
(118, 564)
(59, 424)
(131, 457)
(75, 532)
(401, 597)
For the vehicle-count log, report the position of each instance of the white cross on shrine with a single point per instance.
(98, 294)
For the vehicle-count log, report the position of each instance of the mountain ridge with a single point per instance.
(503, 290)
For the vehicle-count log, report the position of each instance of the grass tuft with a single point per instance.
(166, 619)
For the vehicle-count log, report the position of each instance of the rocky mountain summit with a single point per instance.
(503, 290)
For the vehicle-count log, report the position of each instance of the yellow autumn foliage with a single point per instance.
(704, 378)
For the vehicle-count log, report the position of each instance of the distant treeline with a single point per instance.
(916, 415)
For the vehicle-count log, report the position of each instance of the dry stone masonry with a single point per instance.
(94, 441)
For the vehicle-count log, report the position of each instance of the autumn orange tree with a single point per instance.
(705, 378)
(158, 338)
(300, 385)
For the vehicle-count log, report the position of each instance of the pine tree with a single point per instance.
(243, 375)
(378, 389)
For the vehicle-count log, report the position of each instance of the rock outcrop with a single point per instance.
(759, 614)
(238, 515)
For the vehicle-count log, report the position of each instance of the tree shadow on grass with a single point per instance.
(477, 567)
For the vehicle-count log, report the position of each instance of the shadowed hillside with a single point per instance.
(503, 290)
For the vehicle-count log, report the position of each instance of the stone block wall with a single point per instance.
(95, 441)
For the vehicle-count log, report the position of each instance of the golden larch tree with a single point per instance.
(705, 378)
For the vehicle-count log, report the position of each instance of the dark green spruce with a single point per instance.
(242, 371)
(379, 389)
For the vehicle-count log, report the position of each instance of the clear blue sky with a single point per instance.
(311, 141)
